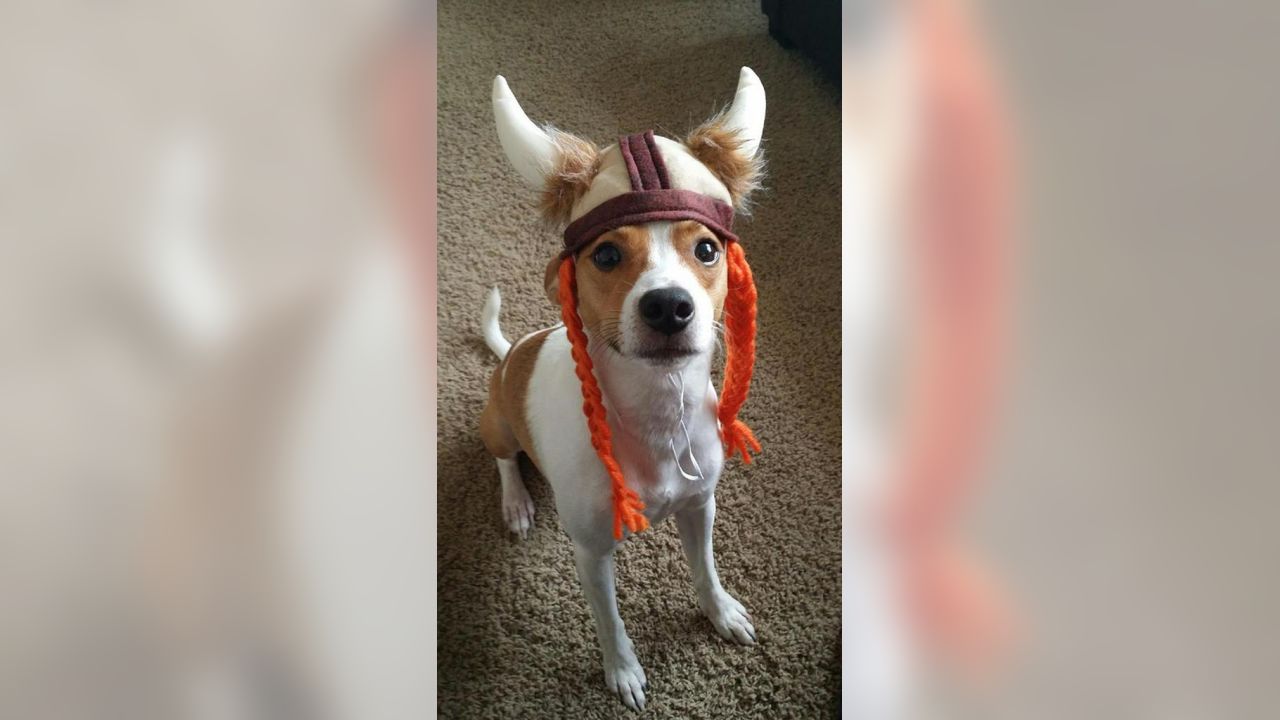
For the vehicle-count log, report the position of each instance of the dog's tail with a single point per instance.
(489, 324)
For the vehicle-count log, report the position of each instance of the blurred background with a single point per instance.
(216, 382)
(217, 405)
(1127, 493)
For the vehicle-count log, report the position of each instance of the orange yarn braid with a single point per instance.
(740, 353)
(626, 504)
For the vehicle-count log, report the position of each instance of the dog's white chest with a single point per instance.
(667, 477)
(667, 463)
(666, 438)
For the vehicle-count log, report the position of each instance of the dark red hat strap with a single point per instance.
(645, 206)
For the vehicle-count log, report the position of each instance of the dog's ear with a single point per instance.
(729, 143)
(558, 164)
(552, 281)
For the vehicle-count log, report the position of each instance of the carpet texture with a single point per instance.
(515, 634)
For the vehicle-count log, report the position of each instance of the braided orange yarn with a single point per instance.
(626, 504)
(740, 354)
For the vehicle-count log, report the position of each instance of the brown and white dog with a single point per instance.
(651, 285)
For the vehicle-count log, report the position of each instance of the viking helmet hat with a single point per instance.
(646, 178)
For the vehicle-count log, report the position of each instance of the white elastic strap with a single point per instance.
(688, 441)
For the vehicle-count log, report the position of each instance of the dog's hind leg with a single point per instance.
(517, 506)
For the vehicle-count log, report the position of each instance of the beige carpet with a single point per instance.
(516, 638)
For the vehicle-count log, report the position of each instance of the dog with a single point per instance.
(615, 406)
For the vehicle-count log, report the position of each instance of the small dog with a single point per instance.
(616, 406)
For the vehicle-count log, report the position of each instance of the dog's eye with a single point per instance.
(706, 252)
(607, 256)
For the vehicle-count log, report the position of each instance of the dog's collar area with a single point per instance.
(651, 199)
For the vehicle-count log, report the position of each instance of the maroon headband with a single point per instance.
(651, 199)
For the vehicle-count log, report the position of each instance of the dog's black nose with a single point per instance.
(667, 310)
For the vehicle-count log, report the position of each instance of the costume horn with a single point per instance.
(746, 115)
(527, 146)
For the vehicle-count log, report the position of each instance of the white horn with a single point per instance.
(528, 148)
(746, 115)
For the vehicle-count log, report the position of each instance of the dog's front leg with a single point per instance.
(726, 614)
(622, 671)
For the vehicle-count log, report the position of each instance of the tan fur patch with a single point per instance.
(719, 148)
(495, 430)
(571, 178)
(504, 423)
(601, 293)
(685, 236)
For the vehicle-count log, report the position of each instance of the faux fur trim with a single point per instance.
(718, 147)
(571, 178)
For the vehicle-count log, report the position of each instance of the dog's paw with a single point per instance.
(625, 677)
(517, 511)
(730, 619)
